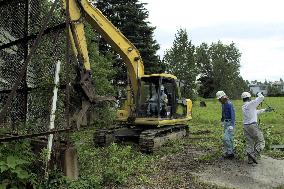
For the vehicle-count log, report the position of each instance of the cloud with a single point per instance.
(255, 26)
(262, 59)
(239, 30)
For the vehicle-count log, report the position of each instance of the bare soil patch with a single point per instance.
(268, 173)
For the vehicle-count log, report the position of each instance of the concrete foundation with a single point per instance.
(71, 163)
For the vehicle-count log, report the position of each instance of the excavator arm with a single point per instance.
(80, 10)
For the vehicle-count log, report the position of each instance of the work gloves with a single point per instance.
(231, 128)
(259, 94)
(269, 109)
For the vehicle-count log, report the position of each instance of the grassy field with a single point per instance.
(208, 119)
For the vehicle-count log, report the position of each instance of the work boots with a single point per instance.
(228, 156)
(252, 158)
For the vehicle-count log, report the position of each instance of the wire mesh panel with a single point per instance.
(12, 57)
(20, 24)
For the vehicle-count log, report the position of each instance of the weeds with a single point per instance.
(112, 165)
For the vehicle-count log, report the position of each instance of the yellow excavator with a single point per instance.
(154, 111)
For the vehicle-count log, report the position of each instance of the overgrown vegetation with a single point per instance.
(15, 161)
(112, 165)
(206, 134)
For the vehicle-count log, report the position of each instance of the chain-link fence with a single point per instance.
(20, 25)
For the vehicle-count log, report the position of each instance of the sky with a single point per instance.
(255, 26)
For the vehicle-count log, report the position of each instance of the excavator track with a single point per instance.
(151, 139)
(100, 138)
(104, 137)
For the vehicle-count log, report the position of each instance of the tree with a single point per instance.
(219, 67)
(179, 61)
(273, 90)
(130, 17)
(226, 64)
(205, 69)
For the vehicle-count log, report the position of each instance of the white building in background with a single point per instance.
(258, 87)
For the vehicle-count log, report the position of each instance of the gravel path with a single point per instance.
(185, 169)
(269, 173)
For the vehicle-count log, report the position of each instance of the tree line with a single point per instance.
(205, 69)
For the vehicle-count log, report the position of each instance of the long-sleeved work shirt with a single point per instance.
(249, 110)
(228, 112)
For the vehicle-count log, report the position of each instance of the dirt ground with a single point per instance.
(268, 173)
(185, 170)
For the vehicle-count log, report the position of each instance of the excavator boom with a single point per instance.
(80, 10)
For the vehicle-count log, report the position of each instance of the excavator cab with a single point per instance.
(158, 102)
(160, 97)
(157, 96)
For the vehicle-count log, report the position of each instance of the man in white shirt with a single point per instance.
(253, 134)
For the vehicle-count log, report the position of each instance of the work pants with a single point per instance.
(254, 138)
(228, 138)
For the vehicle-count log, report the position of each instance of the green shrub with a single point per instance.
(112, 165)
(15, 161)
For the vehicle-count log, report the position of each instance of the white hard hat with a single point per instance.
(246, 95)
(162, 87)
(220, 94)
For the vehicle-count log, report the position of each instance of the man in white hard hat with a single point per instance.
(228, 122)
(253, 134)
